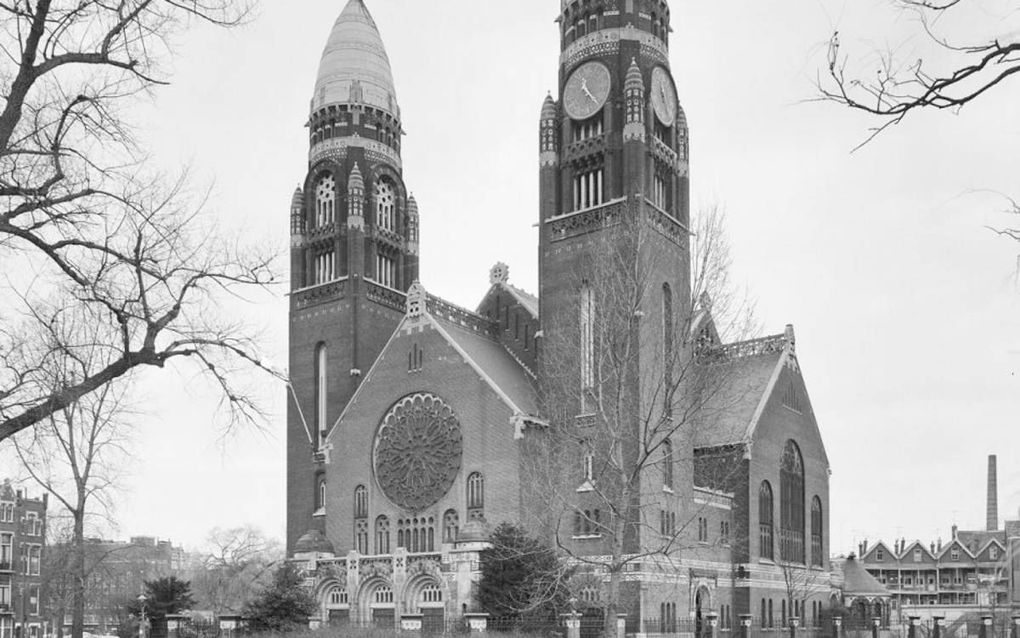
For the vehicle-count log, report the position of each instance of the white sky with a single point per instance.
(906, 310)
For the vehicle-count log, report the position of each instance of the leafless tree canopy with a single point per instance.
(89, 232)
(962, 71)
(622, 427)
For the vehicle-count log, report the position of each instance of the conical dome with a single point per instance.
(548, 108)
(354, 66)
(633, 80)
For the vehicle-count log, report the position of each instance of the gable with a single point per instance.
(963, 554)
(993, 552)
(917, 554)
(786, 412)
(879, 550)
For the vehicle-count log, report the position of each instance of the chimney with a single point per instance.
(993, 496)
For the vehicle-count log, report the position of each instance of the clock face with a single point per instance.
(586, 90)
(663, 96)
(418, 450)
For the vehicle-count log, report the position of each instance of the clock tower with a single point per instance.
(614, 207)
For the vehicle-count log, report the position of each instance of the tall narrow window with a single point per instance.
(588, 464)
(765, 523)
(475, 496)
(660, 193)
(324, 267)
(451, 525)
(587, 321)
(667, 348)
(667, 464)
(816, 532)
(385, 206)
(360, 502)
(386, 270)
(321, 389)
(382, 535)
(321, 500)
(791, 504)
(588, 188)
(325, 202)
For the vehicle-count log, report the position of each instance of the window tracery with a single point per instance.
(385, 205)
(765, 521)
(325, 201)
(791, 504)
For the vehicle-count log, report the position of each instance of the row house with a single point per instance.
(22, 542)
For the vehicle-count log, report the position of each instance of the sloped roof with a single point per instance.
(858, 582)
(526, 299)
(497, 366)
(976, 541)
(739, 382)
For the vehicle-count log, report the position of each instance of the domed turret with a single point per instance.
(354, 67)
(473, 532)
(313, 542)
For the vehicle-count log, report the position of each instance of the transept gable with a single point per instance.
(406, 363)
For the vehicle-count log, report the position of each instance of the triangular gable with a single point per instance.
(947, 554)
(984, 555)
(519, 397)
(908, 554)
(871, 556)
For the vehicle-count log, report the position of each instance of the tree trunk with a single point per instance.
(78, 575)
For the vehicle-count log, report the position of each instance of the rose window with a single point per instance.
(417, 452)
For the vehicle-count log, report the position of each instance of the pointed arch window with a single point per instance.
(791, 504)
(476, 496)
(667, 464)
(382, 535)
(320, 497)
(765, 523)
(816, 532)
(325, 201)
(385, 205)
(360, 502)
(451, 525)
(321, 389)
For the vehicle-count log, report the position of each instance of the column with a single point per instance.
(745, 626)
(939, 625)
(712, 624)
(478, 621)
(837, 626)
(912, 631)
(621, 625)
(986, 627)
(1015, 629)
(794, 624)
(573, 624)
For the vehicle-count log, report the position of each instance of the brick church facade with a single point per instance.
(416, 426)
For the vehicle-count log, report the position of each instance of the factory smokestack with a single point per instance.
(993, 495)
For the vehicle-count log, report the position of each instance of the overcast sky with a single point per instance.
(906, 307)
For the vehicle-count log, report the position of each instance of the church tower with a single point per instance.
(614, 204)
(354, 250)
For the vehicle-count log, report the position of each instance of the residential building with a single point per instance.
(22, 546)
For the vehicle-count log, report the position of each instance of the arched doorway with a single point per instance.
(336, 606)
(424, 596)
(702, 605)
(376, 606)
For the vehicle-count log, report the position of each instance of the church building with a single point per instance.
(685, 477)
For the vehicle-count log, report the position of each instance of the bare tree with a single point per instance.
(630, 373)
(801, 585)
(961, 73)
(77, 454)
(97, 233)
(236, 563)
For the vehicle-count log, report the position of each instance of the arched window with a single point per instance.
(816, 532)
(791, 504)
(772, 619)
(360, 502)
(382, 535)
(475, 491)
(338, 597)
(451, 525)
(765, 522)
(764, 618)
(385, 205)
(325, 201)
(321, 389)
(667, 348)
(667, 463)
(783, 616)
(587, 464)
(320, 498)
